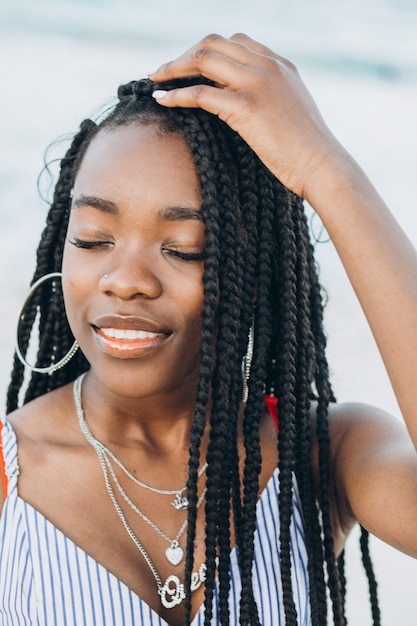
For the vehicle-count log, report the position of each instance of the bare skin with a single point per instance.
(55, 460)
(261, 96)
(141, 407)
(121, 270)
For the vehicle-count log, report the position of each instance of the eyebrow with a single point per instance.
(107, 206)
(170, 214)
(177, 213)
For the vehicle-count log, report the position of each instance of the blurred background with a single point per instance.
(60, 60)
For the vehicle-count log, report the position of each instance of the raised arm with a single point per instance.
(262, 97)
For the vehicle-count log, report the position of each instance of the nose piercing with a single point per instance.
(105, 276)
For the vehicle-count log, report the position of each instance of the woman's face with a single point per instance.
(133, 261)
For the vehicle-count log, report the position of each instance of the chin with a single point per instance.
(137, 383)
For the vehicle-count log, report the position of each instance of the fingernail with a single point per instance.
(158, 94)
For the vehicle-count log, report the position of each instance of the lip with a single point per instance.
(129, 337)
(130, 322)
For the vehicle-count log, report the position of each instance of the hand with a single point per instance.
(261, 96)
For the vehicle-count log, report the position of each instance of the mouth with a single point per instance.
(128, 337)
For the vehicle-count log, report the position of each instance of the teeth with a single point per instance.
(117, 333)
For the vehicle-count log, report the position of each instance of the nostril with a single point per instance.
(130, 282)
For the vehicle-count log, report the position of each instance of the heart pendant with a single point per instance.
(174, 553)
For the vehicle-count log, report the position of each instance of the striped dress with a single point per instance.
(47, 580)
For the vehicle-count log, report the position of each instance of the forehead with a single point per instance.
(126, 158)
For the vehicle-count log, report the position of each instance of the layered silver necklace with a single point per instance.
(172, 590)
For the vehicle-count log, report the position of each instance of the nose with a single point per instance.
(131, 277)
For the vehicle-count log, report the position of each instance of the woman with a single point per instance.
(148, 489)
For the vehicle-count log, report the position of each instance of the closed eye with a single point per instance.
(88, 245)
(186, 256)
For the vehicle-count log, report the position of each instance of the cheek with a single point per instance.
(193, 331)
(193, 302)
(70, 266)
(72, 306)
(76, 267)
(67, 281)
(76, 285)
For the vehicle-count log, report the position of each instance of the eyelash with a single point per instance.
(184, 256)
(87, 245)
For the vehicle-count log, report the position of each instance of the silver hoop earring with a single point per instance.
(247, 363)
(56, 366)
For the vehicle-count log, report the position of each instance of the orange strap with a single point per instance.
(272, 406)
(4, 479)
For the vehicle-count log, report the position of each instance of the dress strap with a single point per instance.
(4, 479)
(9, 468)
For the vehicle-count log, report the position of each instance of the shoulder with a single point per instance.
(373, 472)
(366, 442)
(43, 426)
(365, 433)
(36, 424)
(42, 414)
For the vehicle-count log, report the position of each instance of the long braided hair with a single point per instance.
(259, 271)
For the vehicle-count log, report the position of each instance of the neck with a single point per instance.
(160, 423)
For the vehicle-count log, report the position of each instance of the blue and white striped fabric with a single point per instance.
(46, 580)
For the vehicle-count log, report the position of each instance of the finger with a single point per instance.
(222, 70)
(262, 51)
(220, 102)
(239, 46)
(195, 56)
(255, 46)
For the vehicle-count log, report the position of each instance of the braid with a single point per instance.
(209, 210)
(286, 381)
(367, 563)
(263, 332)
(342, 574)
(259, 270)
(325, 396)
(225, 400)
(54, 333)
(218, 492)
(305, 356)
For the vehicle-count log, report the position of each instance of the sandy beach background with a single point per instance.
(59, 61)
